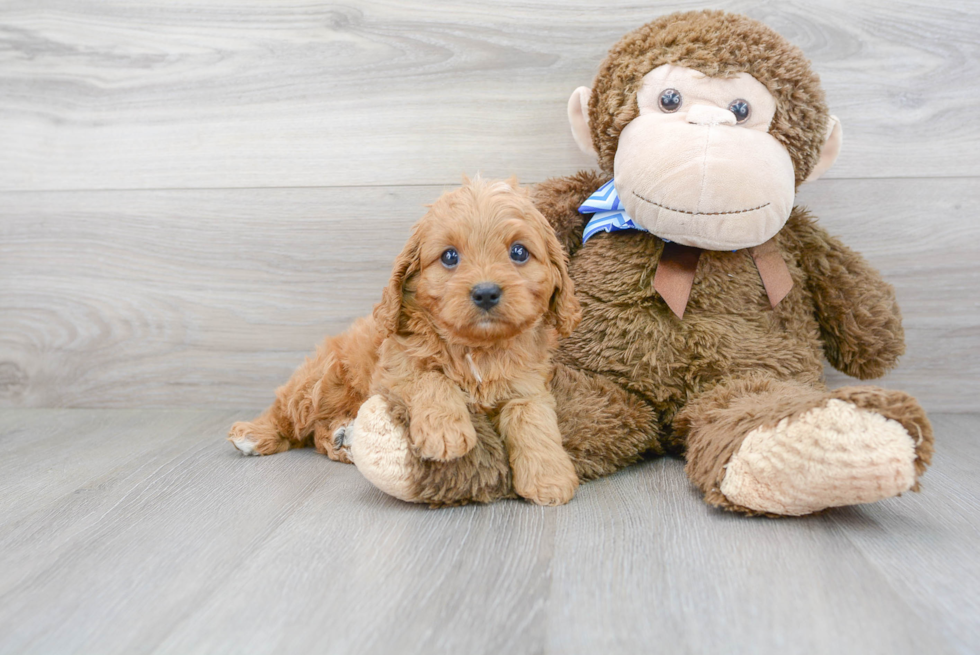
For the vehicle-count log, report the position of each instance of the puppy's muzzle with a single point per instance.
(485, 295)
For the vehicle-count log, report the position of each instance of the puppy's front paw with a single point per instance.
(442, 441)
(552, 483)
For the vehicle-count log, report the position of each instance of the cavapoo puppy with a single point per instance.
(475, 305)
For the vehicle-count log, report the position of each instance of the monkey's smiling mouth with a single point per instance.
(684, 211)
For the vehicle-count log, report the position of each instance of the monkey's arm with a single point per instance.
(860, 321)
(559, 198)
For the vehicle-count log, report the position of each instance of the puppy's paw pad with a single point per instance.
(442, 448)
(245, 446)
(551, 495)
(550, 490)
(443, 442)
(342, 436)
(340, 443)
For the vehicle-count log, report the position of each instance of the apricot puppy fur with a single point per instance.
(474, 308)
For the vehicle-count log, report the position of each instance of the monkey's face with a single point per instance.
(698, 166)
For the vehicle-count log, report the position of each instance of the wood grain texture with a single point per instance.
(211, 298)
(695, 581)
(191, 548)
(143, 531)
(253, 93)
(158, 295)
(876, 578)
(908, 540)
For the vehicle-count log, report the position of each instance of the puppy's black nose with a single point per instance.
(485, 295)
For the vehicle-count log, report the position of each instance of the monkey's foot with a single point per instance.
(834, 455)
(379, 449)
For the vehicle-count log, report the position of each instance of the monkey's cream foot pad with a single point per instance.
(829, 456)
(379, 449)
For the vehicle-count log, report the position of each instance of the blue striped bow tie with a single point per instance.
(607, 212)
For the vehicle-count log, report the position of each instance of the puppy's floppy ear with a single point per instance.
(564, 309)
(388, 311)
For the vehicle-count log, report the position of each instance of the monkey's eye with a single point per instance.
(449, 258)
(741, 109)
(519, 253)
(670, 100)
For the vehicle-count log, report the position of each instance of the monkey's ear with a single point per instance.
(563, 309)
(830, 150)
(578, 118)
(388, 311)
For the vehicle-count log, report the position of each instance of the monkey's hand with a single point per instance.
(860, 322)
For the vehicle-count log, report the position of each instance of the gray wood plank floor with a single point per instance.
(141, 531)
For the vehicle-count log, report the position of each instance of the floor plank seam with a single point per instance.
(408, 185)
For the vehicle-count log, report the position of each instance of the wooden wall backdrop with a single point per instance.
(192, 193)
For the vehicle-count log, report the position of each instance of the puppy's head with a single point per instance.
(483, 264)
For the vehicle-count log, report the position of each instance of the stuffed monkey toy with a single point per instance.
(709, 300)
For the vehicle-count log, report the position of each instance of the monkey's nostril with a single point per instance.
(485, 295)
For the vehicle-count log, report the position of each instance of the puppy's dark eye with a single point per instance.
(519, 253)
(670, 100)
(741, 109)
(450, 258)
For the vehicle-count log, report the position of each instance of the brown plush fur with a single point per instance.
(715, 424)
(731, 351)
(635, 379)
(429, 345)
